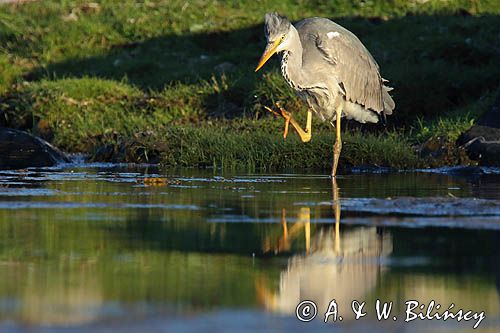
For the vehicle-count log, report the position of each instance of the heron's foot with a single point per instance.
(283, 113)
(272, 111)
(305, 135)
(287, 116)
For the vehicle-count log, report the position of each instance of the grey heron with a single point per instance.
(330, 70)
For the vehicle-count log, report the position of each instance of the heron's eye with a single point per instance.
(282, 38)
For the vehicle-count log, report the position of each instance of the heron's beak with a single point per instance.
(268, 52)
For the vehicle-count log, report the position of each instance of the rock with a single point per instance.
(19, 150)
(482, 144)
(485, 133)
(440, 151)
(482, 141)
(488, 153)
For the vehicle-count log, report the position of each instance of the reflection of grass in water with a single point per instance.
(468, 292)
(102, 74)
(79, 287)
(78, 266)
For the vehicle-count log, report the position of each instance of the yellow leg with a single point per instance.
(304, 217)
(303, 220)
(265, 296)
(337, 148)
(309, 122)
(336, 204)
(283, 223)
(308, 236)
(305, 135)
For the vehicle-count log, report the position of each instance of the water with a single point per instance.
(104, 248)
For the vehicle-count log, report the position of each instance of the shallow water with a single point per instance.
(103, 248)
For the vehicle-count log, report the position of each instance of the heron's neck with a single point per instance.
(291, 61)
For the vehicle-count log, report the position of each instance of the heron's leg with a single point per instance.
(309, 122)
(337, 148)
(305, 135)
(285, 228)
(287, 117)
(336, 205)
(304, 216)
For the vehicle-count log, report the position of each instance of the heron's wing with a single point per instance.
(355, 69)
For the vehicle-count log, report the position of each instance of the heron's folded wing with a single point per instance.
(354, 67)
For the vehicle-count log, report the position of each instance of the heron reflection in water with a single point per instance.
(341, 265)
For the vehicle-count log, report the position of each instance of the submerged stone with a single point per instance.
(19, 150)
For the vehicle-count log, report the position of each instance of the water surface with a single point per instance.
(102, 248)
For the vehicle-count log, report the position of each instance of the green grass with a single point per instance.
(142, 80)
(245, 145)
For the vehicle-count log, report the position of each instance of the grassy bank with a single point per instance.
(173, 81)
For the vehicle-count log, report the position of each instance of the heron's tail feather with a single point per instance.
(389, 104)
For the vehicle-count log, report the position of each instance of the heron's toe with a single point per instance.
(285, 114)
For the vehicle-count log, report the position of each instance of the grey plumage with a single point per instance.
(329, 67)
(331, 70)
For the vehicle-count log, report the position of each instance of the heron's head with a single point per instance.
(276, 29)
